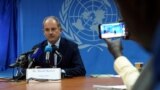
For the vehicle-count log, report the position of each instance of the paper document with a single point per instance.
(113, 87)
(104, 75)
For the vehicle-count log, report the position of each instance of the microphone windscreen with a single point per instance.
(48, 48)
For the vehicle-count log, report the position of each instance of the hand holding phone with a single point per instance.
(114, 46)
(112, 30)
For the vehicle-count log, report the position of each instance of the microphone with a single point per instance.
(48, 50)
(19, 61)
(55, 50)
(37, 52)
(22, 59)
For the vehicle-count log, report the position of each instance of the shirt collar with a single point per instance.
(56, 44)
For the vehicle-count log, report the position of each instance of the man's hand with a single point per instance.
(115, 47)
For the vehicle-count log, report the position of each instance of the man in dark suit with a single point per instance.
(69, 61)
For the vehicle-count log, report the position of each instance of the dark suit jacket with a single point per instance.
(71, 60)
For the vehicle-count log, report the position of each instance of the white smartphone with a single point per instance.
(112, 30)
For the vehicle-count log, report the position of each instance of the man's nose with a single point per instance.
(50, 31)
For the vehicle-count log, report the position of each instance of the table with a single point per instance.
(76, 83)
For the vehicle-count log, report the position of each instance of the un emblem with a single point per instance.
(80, 20)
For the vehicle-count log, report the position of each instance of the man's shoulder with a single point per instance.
(40, 44)
(68, 41)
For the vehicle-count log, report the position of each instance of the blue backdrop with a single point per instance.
(79, 19)
(8, 32)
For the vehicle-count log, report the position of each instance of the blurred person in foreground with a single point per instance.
(142, 19)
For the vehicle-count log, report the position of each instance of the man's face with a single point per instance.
(51, 30)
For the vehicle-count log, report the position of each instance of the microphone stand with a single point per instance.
(30, 62)
(14, 66)
(48, 59)
(56, 55)
(55, 60)
(13, 76)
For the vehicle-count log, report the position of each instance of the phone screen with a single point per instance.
(111, 30)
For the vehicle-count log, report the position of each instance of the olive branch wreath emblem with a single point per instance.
(68, 33)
